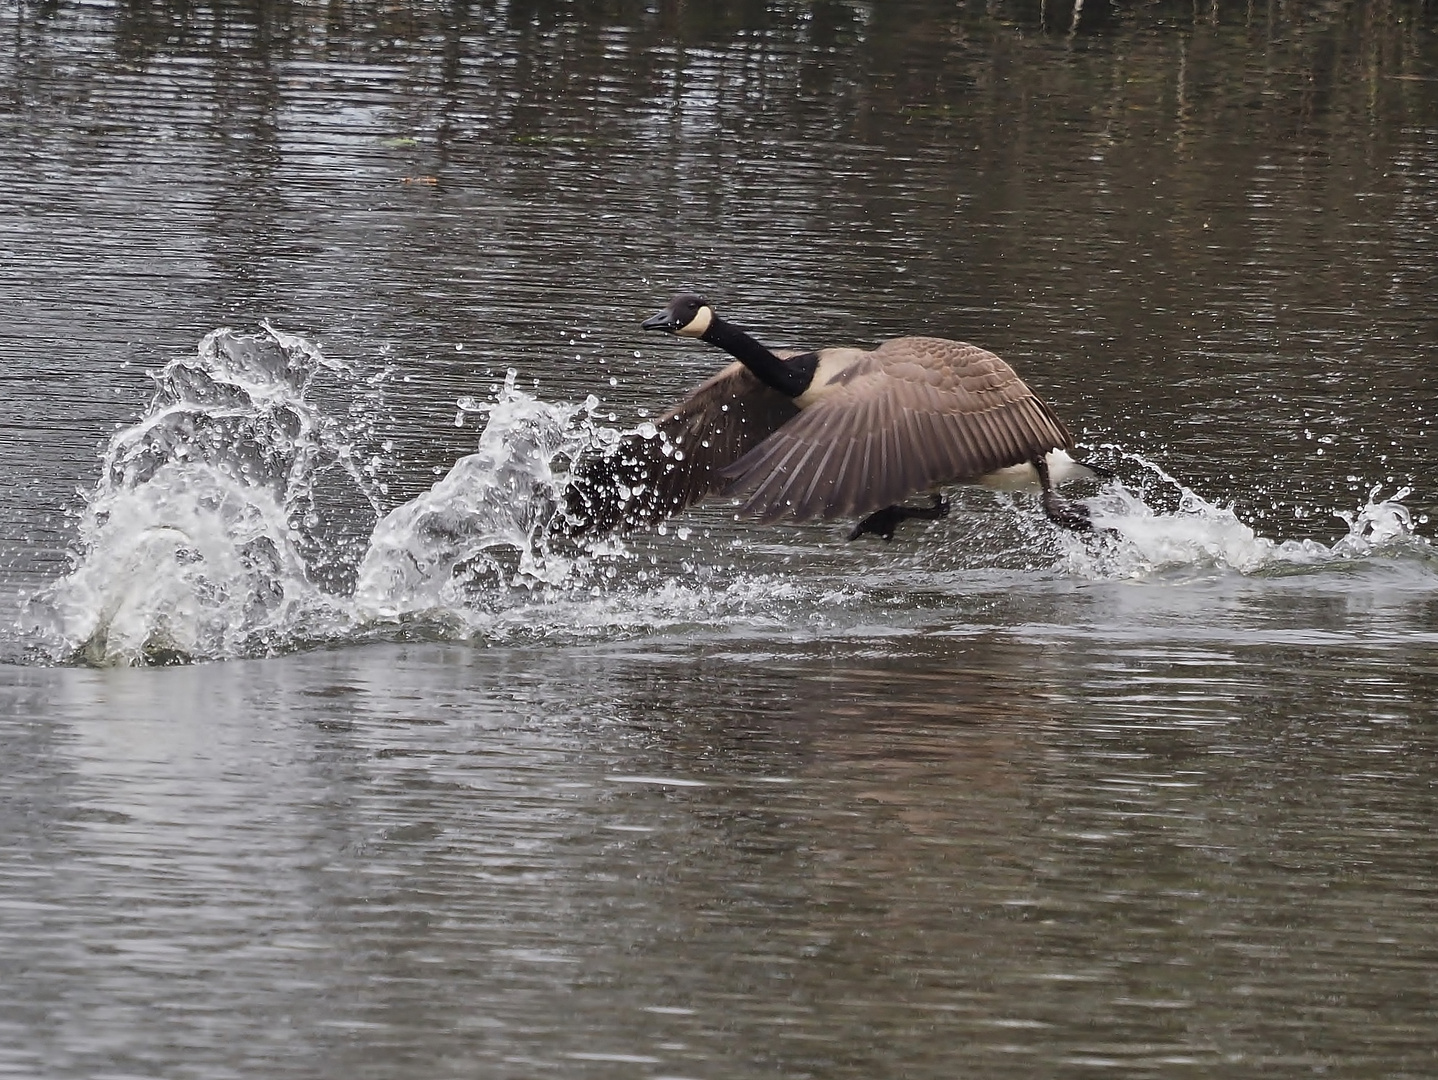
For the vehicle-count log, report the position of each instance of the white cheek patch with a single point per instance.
(696, 326)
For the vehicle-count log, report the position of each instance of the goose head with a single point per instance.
(688, 314)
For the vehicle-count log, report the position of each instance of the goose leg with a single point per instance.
(1058, 509)
(883, 522)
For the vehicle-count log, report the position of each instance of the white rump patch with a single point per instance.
(1062, 470)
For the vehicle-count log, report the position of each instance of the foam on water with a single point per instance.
(218, 529)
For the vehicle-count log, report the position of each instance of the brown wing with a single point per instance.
(914, 413)
(642, 481)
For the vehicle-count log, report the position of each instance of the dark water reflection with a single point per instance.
(1226, 218)
(1005, 858)
(991, 818)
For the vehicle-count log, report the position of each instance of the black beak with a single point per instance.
(662, 321)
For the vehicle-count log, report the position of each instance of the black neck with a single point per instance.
(791, 377)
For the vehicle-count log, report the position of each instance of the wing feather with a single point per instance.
(637, 483)
(795, 471)
(912, 414)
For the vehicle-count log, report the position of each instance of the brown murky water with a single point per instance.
(731, 801)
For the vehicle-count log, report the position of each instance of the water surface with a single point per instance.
(427, 794)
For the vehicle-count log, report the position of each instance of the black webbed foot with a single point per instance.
(883, 522)
(1058, 509)
(1070, 515)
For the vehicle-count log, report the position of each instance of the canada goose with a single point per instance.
(832, 433)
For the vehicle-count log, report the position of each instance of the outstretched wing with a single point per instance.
(642, 481)
(914, 413)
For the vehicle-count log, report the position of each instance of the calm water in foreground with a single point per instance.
(318, 761)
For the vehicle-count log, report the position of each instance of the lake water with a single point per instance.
(320, 760)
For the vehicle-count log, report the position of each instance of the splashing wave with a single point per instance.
(198, 539)
(1137, 541)
(240, 517)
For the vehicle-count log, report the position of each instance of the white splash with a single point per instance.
(486, 522)
(207, 536)
(240, 517)
(194, 542)
(1135, 541)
